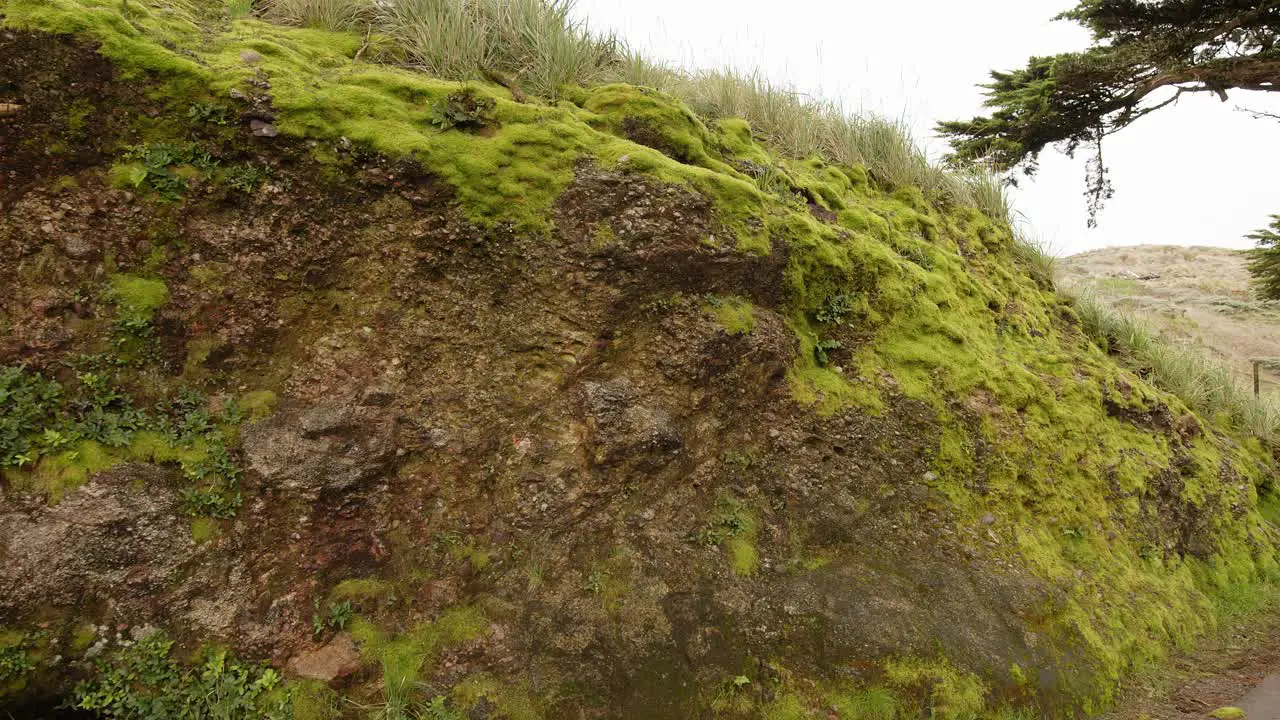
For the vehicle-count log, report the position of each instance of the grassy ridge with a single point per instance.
(538, 46)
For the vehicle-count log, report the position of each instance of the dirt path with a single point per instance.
(1238, 668)
(1263, 702)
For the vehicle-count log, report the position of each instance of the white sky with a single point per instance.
(1201, 173)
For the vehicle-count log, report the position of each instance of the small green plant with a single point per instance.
(438, 709)
(15, 659)
(822, 350)
(28, 403)
(210, 113)
(165, 168)
(834, 309)
(245, 178)
(143, 682)
(741, 460)
(595, 582)
(462, 109)
(729, 521)
(336, 618)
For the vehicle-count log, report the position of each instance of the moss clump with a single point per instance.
(734, 314)
(313, 700)
(258, 404)
(136, 298)
(1228, 713)
(361, 589)
(952, 694)
(735, 528)
(870, 704)
(510, 701)
(406, 658)
(203, 529)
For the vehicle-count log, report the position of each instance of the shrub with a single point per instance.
(142, 682)
(1264, 260)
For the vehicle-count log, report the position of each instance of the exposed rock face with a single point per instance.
(337, 659)
(557, 437)
(118, 540)
(331, 447)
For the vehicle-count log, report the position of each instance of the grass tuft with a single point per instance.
(1201, 382)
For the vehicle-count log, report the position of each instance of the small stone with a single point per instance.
(648, 514)
(988, 519)
(235, 93)
(931, 476)
(262, 129)
(77, 248)
(250, 57)
(334, 661)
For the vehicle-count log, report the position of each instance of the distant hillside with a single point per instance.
(1199, 294)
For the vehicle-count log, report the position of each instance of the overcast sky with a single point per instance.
(1201, 173)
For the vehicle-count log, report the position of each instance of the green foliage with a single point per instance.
(143, 682)
(1203, 383)
(405, 658)
(1079, 98)
(210, 113)
(834, 309)
(463, 109)
(952, 694)
(1264, 260)
(821, 350)
(734, 527)
(336, 619)
(15, 658)
(61, 437)
(244, 177)
(137, 299)
(538, 41)
(28, 404)
(871, 704)
(165, 168)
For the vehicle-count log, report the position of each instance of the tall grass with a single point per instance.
(535, 43)
(539, 46)
(1204, 384)
(325, 14)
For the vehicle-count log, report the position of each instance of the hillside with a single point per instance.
(333, 389)
(1200, 295)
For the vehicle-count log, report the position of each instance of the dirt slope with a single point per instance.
(1199, 294)
(558, 414)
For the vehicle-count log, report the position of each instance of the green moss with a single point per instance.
(407, 657)
(137, 299)
(203, 529)
(734, 314)
(925, 302)
(510, 701)
(870, 704)
(82, 636)
(360, 589)
(258, 404)
(734, 527)
(952, 694)
(313, 700)
(1228, 713)
(786, 707)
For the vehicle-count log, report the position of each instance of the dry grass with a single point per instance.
(1205, 384)
(541, 47)
(1201, 296)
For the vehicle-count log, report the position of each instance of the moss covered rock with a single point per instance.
(587, 407)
